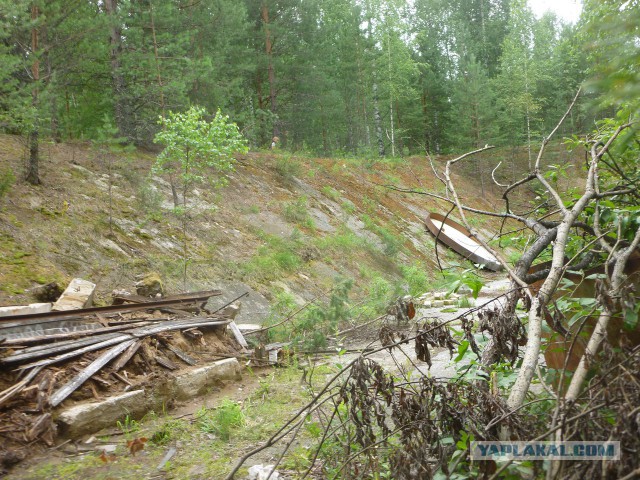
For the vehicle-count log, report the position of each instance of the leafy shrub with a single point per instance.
(7, 178)
(149, 200)
(330, 192)
(287, 168)
(319, 321)
(297, 212)
(222, 420)
(416, 278)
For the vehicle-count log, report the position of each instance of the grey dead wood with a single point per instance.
(88, 372)
(126, 356)
(165, 362)
(181, 354)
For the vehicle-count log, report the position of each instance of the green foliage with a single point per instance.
(195, 146)
(297, 211)
(276, 257)
(287, 167)
(317, 322)
(222, 420)
(128, 425)
(467, 277)
(416, 278)
(7, 178)
(330, 192)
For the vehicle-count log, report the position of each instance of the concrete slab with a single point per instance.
(90, 417)
(79, 294)
(196, 381)
(25, 309)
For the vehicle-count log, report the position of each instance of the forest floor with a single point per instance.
(266, 397)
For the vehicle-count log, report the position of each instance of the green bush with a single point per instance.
(287, 168)
(416, 278)
(275, 257)
(7, 178)
(149, 200)
(330, 192)
(296, 211)
(222, 420)
(312, 327)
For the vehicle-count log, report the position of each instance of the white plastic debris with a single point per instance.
(261, 472)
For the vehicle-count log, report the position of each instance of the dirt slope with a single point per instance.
(283, 223)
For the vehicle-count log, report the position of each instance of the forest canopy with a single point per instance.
(330, 77)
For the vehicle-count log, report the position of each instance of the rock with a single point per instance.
(47, 293)
(232, 310)
(261, 472)
(91, 417)
(150, 285)
(438, 303)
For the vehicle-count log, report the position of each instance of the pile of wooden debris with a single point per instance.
(71, 353)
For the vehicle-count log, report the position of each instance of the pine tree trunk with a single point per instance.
(33, 176)
(393, 131)
(117, 79)
(271, 71)
(377, 118)
(157, 59)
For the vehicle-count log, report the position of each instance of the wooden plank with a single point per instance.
(135, 332)
(121, 378)
(181, 355)
(38, 351)
(126, 355)
(76, 353)
(77, 334)
(166, 363)
(21, 320)
(13, 390)
(238, 334)
(60, 395)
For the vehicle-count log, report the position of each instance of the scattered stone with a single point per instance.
(150, 285)
(107, 448)
(262, 472)
(197, 380)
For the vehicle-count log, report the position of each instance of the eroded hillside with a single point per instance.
(283, 224)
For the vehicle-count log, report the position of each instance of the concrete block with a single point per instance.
(79, 294)
(25, 309)
(195, 381)
(91, 417)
